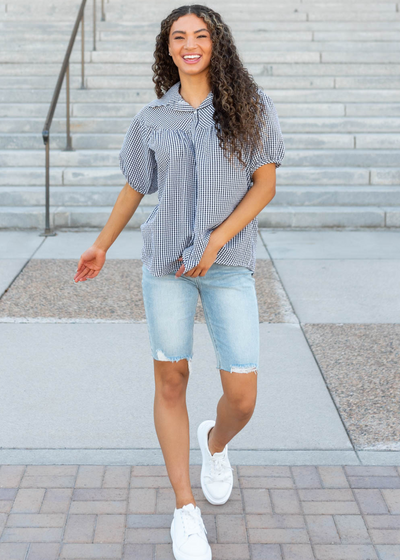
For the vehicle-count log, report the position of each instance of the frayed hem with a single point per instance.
(163, 358)
(239, 369)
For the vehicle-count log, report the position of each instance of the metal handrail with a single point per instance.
(65, 72)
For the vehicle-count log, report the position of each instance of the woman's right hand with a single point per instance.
(90, 264)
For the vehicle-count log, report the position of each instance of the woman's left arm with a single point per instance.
(257, 198)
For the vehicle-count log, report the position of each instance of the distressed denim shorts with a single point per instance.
(230, 307)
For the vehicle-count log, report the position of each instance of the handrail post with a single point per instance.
(83, 50)
(103, 15)
(94, 25)
(69, 142)
(47, 231)
(47, 225)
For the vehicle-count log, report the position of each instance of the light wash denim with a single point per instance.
(230, 307)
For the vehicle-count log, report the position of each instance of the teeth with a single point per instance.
(192, 56)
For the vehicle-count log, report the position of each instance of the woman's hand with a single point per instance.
(90, 264)
(208, 258)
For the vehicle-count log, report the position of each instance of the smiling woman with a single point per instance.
(191, 46)
(209, 146)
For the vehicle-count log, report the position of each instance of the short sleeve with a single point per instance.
(272, 147)
(136, 160)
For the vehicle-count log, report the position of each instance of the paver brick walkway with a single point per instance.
(124, 512)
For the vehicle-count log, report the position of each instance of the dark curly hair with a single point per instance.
(237, 107)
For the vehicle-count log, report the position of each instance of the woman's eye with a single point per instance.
(198, 37)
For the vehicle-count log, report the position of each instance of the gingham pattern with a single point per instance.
(172, 149)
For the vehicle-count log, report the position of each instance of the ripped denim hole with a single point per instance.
(162, 357)
(238, 369)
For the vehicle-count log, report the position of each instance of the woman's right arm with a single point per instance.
(93, 259)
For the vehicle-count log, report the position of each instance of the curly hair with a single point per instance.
(237, 103)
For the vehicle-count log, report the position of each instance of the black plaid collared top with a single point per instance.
(172, 148)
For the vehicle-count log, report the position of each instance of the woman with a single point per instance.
(209, 146)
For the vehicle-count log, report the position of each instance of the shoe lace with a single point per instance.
(192, 522)
(220, 470)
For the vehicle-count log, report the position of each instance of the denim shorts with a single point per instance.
(230, 306)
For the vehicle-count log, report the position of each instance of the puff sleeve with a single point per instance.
(136, 160)
(272, 148)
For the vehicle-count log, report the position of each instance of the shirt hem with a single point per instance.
(173, 268)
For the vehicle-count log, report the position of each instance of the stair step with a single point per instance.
(29, 82)
(344, 15)
(287, 176)
(258, 26)
(134, 70)
(292, 195)
(143, 96)
(33, 141)
(311, 158)
(243, 30)
(298, 34)
(250, 12)
(266, 82)
(271, 216)
(128, 110)
(288, 125)
(259, 46)
(296, 141)
(25, 56)
(270, 56)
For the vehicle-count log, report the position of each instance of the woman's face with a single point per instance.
(190, 45)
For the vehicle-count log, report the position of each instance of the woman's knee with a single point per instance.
(171, 380)
(240, 390)
(243, 405)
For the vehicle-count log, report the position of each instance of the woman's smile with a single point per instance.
(191, 58)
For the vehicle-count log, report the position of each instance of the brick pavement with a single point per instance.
(81, 512)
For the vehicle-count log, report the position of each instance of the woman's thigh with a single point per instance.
(170, 306)
(230, 307)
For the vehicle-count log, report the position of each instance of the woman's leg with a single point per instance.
(235, 408)
(170, 305)
(172, 425)
(231, 309)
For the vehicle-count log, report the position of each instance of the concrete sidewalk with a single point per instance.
(79, 374)
(317, 469)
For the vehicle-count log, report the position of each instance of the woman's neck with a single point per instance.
(194, 89)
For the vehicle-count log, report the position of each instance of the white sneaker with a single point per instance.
(216, 471)
(188, 534)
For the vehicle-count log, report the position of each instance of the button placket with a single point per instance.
(195, 121)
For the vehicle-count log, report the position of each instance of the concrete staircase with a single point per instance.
(331, 68)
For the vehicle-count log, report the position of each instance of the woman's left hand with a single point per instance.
(208, 258)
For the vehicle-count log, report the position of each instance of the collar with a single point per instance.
(173, 97)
